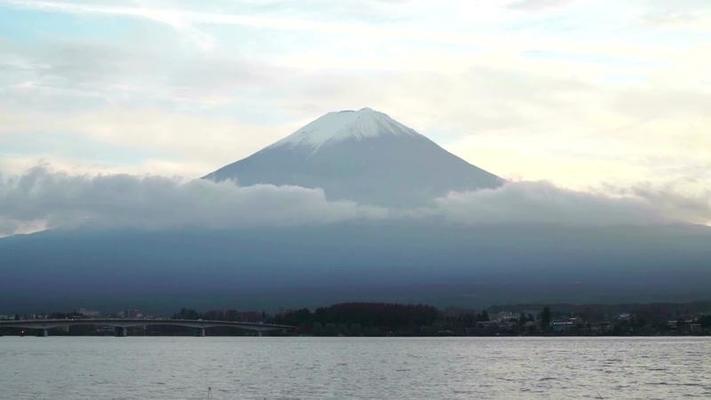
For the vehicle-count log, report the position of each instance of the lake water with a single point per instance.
(60, 368)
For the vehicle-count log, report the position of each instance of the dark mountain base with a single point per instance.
(427, 262)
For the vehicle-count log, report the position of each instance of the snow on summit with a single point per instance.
(348, 124)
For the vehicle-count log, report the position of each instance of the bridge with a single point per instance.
(122, 324)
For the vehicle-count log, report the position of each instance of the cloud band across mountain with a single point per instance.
(42, 199)
(57, 200)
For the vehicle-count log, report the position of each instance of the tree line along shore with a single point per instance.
(391, 319)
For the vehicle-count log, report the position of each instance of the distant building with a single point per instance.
(565, 325)
(506, 316)
(624, 317)
(135, 313)
(89, 313)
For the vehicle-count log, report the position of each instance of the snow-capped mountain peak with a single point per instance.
(343, 125)
(363, 156)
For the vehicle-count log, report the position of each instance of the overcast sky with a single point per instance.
(585, 94)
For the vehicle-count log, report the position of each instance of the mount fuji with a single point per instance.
(363, 156)
(366, 157)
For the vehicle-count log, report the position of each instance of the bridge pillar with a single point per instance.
(121, 331)
(202, 332)
(45, 332)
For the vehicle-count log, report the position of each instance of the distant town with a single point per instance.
(387, 319)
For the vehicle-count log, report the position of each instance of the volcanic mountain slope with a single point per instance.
(419, 261)
(364, 156)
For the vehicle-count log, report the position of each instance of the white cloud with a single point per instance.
(42, 199)
(681, 200)
(152, 202)
(544, 203)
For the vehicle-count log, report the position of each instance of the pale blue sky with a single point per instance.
(581, 93)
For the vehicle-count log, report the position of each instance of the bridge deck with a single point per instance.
(129, 322)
